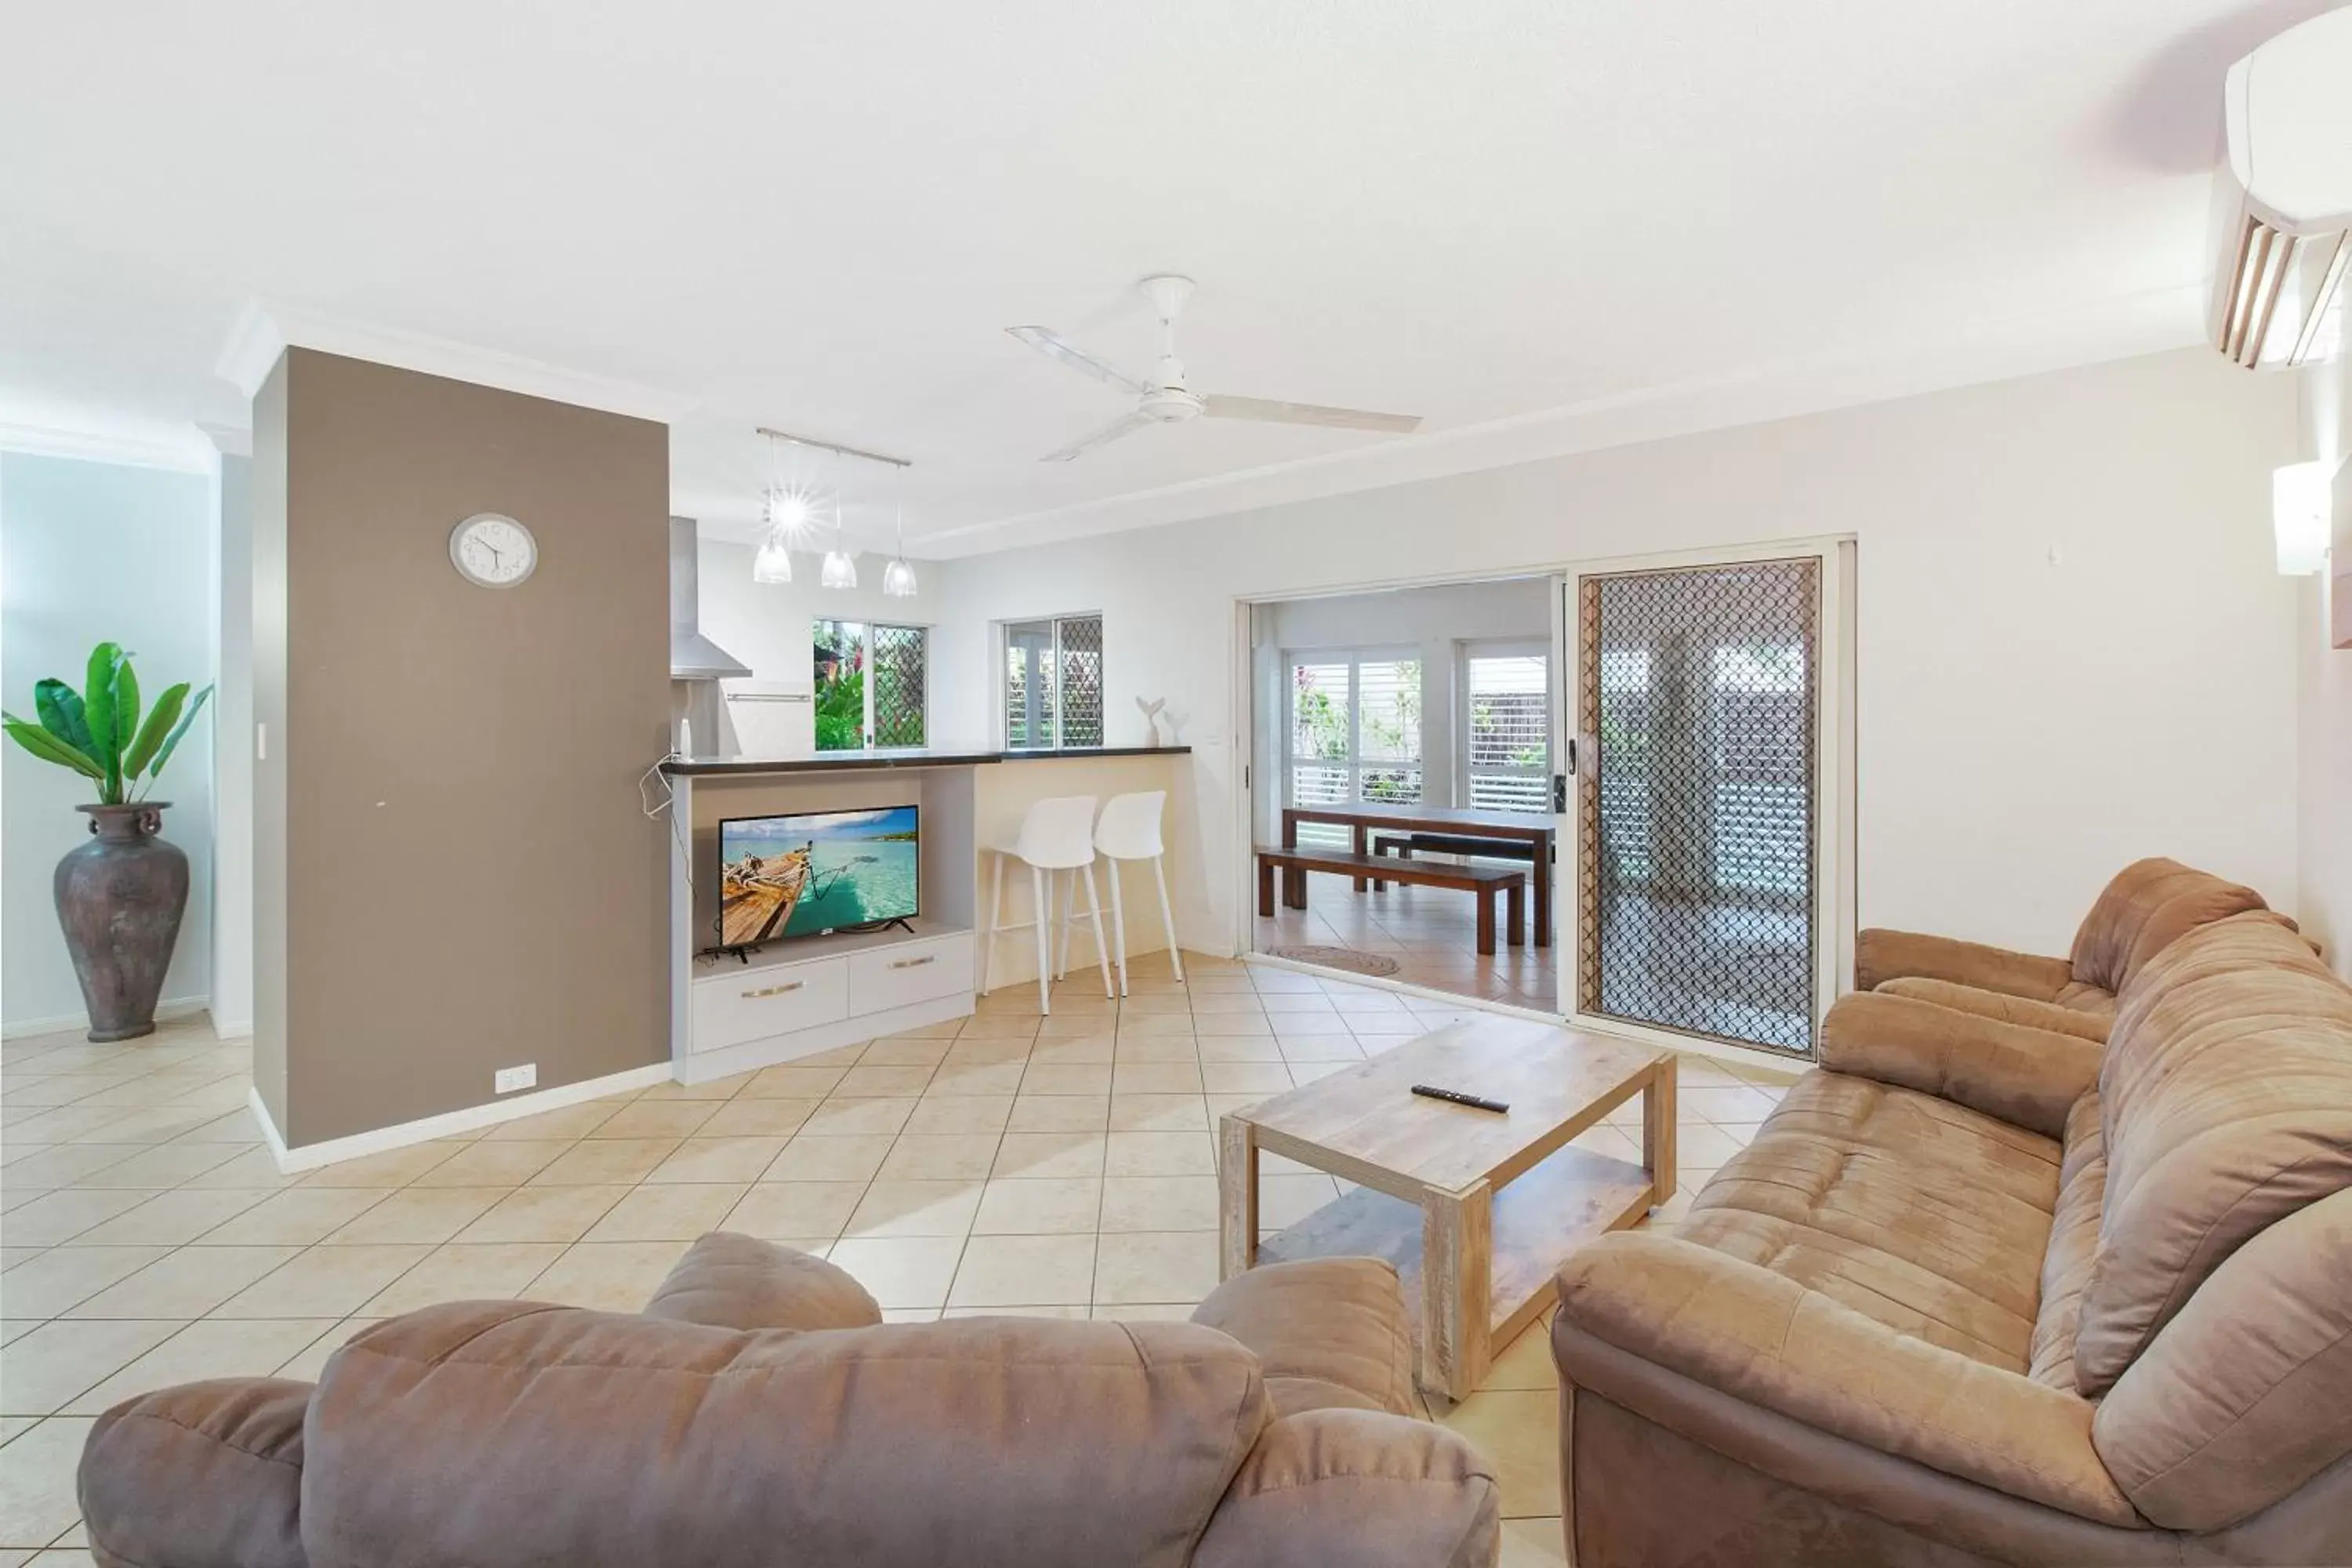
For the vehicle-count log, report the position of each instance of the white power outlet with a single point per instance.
(506, 1081)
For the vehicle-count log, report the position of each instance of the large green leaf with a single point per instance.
(151, 734)
(172, 742)
(97, 707)
(126, 705)
(59, 706)
(49, 748)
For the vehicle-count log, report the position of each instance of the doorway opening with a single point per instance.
(1621, 795)
(1413, 727)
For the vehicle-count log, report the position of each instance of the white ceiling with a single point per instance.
(1506, 215)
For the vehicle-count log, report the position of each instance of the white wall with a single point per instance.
(229, 744)
(767, 625)
(89, 552)
(2323, 815)
(2073, 648)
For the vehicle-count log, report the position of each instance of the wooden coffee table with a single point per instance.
(1481, 1209)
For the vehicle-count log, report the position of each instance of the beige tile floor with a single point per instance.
(1061, 1166)
(1430, 933)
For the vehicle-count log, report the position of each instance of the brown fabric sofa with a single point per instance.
(1979, 1293)
(759, 1414)
(2149, 905)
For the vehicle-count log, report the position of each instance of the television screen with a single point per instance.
(805, 876)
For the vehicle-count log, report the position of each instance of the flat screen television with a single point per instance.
(783, 877)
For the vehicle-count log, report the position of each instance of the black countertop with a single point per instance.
(853, 761)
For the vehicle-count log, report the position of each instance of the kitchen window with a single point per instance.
(873, 686)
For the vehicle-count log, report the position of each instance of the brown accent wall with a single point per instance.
(468, 880)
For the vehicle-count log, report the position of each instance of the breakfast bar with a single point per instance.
(734, 1008)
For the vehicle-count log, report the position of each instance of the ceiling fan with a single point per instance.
(1165, 399)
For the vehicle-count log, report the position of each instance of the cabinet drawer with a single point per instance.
(752, 1003)
(917, 971)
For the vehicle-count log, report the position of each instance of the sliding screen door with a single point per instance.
(1699, 705)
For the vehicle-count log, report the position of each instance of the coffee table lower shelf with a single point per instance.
(1542, 1216)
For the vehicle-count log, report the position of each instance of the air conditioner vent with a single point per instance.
(2285, 198)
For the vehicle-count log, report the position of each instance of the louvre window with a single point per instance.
(1054, 683)
(872, 685)
(1354, 733)
(1507, 748)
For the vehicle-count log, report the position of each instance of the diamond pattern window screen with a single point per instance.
(1508, 750)
(901, 677)
(873, 685)
(1698, 816)
(1354, 735)
(1053, 682)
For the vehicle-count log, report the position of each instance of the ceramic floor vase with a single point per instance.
(120, 898)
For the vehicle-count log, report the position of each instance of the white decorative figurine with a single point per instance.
(1152, 720)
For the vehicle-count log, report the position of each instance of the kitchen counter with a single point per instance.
(855, 761)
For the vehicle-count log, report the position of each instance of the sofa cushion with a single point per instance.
(1359, 1488)
(495, 1433)
(731, 1282)
(2247, 1394)
(2226, 1098)
(204, 1475)
(2073, 1246)
(2149, 905)
(2091, 1025)
(1920, 1214)
(1326, 1332)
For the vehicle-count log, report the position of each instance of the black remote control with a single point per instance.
(1457, 1098)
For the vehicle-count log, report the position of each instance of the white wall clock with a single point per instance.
(492, 550)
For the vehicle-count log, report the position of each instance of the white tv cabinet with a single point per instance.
(792, 999)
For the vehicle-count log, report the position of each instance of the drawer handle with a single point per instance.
(773, 990)
(914, 962)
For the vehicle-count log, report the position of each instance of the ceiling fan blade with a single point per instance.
(1051, 343)
(1219, 406)
(1122, 426)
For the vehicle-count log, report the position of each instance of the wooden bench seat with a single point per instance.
(1404, 844)
(1487, 884)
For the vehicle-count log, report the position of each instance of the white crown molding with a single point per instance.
(2119, 328)
(263, 330)
(137, 450)
(227, 440)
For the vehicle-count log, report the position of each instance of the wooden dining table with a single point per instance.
(1536, 829)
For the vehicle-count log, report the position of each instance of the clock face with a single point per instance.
(493, 551)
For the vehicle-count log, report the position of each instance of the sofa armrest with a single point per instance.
(1358, 1487)
(1766, 1341)
(730, 1282)
(2029, 1077)
(1880, 955)
(1326, 1330)
(203, 1475)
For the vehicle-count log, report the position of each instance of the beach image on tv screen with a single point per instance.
(798, 876)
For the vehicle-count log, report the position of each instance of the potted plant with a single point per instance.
(119, 897)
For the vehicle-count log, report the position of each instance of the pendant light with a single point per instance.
(774, 564)
(789, 512)
(786, 512)
(898, 578)
(840, 568)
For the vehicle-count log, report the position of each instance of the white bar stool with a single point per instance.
(1130, 830)
(1055, 836)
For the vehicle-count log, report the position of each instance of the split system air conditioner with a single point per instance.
(2284, 197)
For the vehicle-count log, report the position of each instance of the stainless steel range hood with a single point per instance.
(692, 655)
